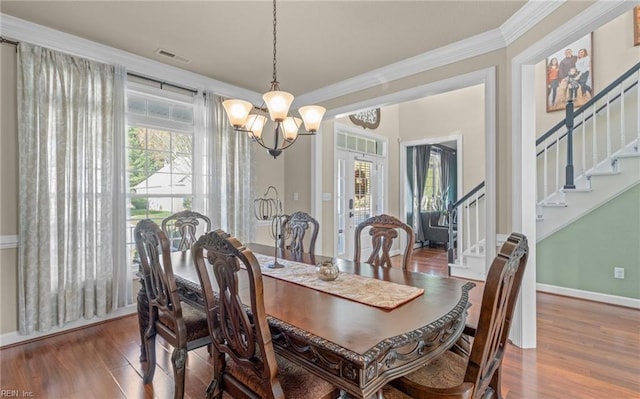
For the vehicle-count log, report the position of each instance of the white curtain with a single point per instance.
(70, 262)
(230, 201)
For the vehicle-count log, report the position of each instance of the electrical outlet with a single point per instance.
(618, 272)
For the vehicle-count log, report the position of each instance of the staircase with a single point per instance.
(600, 145)
(587, 159)
(619, 172)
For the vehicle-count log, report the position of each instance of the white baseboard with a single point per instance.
(591, 296)
(14, 337)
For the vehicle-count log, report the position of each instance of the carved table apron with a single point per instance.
(357, 347)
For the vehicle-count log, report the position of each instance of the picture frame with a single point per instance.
(569, 75)
(636, 26)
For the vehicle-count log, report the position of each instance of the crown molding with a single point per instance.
(21, 30)
(526, 18)
(516, 26)
(471, 47)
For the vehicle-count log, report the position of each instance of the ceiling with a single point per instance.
(320, 43)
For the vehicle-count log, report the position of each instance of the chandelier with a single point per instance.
(244, 117)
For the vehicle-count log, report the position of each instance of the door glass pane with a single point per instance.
(341, 207)
(362, 184)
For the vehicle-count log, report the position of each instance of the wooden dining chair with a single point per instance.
(183, 326)
(383, 231)
(245, 364)
(185, 226)
(452, 376)
(297, 225)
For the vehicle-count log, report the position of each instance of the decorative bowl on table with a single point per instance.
(327, 270)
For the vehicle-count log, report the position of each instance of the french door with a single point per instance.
(360, 195)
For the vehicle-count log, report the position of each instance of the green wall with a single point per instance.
(583, 254)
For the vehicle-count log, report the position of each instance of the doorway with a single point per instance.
(441, 179)
(361, 179)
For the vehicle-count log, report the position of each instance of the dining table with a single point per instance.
(357, 346)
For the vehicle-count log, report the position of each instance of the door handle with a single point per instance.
(350, 214)
(350, 203)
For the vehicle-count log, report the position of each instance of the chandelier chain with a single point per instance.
(275, 73)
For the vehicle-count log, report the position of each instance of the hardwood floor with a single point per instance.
(586, 350)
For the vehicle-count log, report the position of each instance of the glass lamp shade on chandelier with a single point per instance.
(244, 117)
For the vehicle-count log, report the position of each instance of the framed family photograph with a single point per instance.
(636, 26)
(570, 75)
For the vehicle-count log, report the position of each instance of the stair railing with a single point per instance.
(612, 108)
(468, 214)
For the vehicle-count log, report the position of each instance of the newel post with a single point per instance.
(569, 183)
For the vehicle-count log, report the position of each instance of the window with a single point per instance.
(159, 157)
(432, 199)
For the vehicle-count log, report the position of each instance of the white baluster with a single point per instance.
(584, 145)
(638, 108)
(623, 141)
(477, 223)
(545, 175)
(594, 137)
(558, 183)
(468, 224)
(608, 127)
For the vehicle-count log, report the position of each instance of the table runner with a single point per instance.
(366, 290)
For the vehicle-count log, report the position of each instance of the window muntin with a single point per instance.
(159, 158)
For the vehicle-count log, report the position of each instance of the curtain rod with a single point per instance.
(8, 41)
(162, 82)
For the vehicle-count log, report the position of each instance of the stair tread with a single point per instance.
(577, 190)
(627, 155)
(554, 204)
(603, 173)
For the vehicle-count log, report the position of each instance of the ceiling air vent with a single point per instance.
(171, 55)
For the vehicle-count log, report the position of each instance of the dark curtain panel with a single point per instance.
(453, 178)
(448, 177)
(422, 154)
(410, 173)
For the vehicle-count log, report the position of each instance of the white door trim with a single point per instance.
(455, 136)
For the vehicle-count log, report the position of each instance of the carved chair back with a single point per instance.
(185, 226)
(180, 324)
(160, 283)
(498, 302)
(383, 231)
(239, 337)
(297, 224)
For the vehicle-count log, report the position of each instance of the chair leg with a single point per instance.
(214, 389)
(149, 366)
(496, 383)
(143, 320)
(179, 358)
